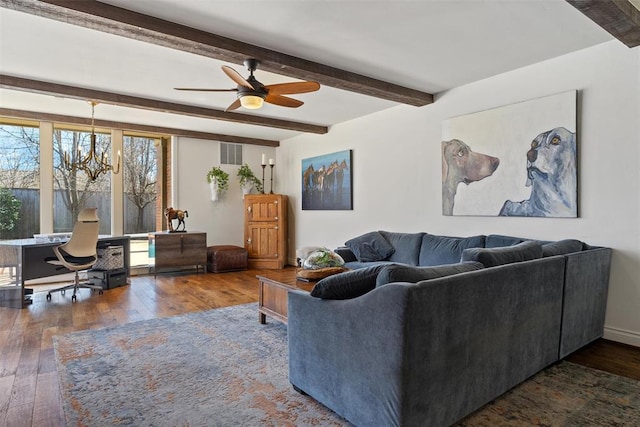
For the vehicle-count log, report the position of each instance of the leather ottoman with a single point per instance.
(223, 258)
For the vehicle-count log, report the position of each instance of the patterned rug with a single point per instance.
(222, 368)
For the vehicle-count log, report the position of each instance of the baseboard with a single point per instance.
(623, 336)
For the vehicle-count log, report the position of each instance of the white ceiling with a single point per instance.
(426, 45)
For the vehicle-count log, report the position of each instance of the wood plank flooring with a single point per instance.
(29, 394)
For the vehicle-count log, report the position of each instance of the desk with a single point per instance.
(27, 259)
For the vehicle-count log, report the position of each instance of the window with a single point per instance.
(73, 190)
(142, 171)
(19, 181)
(230, 154)
(140, 163)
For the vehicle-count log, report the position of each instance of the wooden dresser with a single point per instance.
(265, 230)
(178, 249)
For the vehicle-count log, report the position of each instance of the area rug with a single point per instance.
(564, 394)
(222, 368)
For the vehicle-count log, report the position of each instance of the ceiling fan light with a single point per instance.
(251, 102)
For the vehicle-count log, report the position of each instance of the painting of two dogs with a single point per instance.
(519, 178)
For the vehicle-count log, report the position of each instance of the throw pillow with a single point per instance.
(492, 257)
(411, 274)
(406, 245)
(370, 247)
(440, 250)
(561, 247)
(350, 284)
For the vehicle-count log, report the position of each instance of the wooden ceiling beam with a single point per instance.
(37, 86)
(621, 18)
(122, 22)
(109, 124)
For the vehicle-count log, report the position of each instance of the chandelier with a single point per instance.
(92, 164)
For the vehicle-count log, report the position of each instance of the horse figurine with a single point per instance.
(172, 214)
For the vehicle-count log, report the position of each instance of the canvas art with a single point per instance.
(326, 182)
(516, 160)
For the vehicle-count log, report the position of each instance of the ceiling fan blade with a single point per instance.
(291, 88)
(283, 101)
(236, 77)
(235, 105)
(205, 90)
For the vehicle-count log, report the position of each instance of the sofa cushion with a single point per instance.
(561, 247)
(491, 257)
(439, 250)
(370, 247)
(411, 274)
(498, 241)
(406, 245)
(350, 284)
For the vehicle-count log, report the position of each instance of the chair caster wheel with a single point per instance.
(73, 298)
(48, 297)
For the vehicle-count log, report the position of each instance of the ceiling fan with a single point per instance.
(252, 94)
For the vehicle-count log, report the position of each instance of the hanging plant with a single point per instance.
(247, 178)
(219, 181)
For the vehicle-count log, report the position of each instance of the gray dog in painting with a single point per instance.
(551, 174)
(461, 164)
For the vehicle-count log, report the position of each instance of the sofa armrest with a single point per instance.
(348, 354)
(346, 254)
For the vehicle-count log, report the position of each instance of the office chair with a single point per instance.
(80, 252)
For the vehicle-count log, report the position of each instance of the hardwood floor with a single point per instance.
(610, 356)
(29, 394)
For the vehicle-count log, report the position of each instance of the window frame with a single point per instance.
(46, 171)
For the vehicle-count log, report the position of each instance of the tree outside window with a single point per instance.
(19, 181)
(73, 190)
(140, 184)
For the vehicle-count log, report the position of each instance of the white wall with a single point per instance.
(397, 168)
(223, 220)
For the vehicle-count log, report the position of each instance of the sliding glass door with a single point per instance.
(141, 185)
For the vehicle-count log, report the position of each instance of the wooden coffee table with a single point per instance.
(273, 289)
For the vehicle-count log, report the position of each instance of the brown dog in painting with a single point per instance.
(461, 164)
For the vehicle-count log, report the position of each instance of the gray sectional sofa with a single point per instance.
(428, 331)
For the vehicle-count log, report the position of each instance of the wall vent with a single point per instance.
(230, 154)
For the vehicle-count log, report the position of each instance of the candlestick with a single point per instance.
(264, 160)
(271, 165)
(263, 168)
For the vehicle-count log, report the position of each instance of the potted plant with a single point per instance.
(218, 181)
(248, 180)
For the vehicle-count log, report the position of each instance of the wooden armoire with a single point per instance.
(265, 230)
